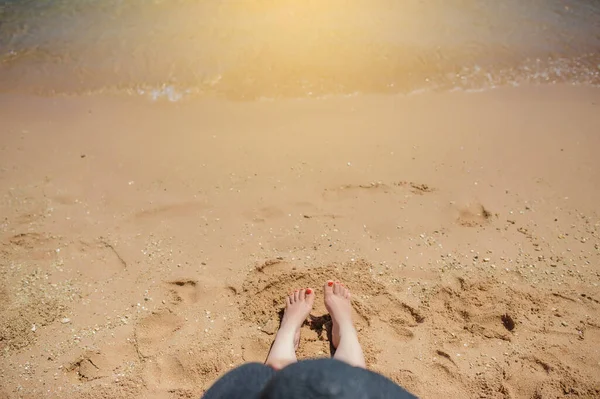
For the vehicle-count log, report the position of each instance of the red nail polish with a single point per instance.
(308, 291)
(330, 283)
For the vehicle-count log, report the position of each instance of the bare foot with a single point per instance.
(297, 308)
(344, 335)
(337, 302)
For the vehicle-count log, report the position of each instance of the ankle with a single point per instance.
(346, 326)
(290, 332)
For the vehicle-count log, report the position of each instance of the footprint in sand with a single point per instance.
(486, 311)
(401, 332)
(474, 215)
(168, 373)
(353, 191)
(153, 332)
(169, 211)
(183, 291)
(264, 214)
(188, 292)
(31, 246)
(88, 367)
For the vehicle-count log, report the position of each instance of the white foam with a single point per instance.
(169, 93)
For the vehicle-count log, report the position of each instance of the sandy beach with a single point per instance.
(146, 247)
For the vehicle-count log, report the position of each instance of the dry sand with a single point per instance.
(146, 247)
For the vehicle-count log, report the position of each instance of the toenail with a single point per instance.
(308, 291)
(330, 283)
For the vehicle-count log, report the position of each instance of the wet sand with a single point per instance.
(146, 247)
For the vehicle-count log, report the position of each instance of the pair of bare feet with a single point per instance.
(298, 306)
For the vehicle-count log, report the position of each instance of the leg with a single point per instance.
(298, 306)
(345, 337)
(330, 379)
(246, 381)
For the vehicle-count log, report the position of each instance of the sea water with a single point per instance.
(250, 49)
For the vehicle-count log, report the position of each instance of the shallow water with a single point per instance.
(251, 49)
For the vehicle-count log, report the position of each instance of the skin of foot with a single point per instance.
(344, 335)
(297, 308)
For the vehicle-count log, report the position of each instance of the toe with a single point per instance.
(289, 299)
(328, 287)
(336, 288)
(296, 296)
(302, 294)
(310, 296)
